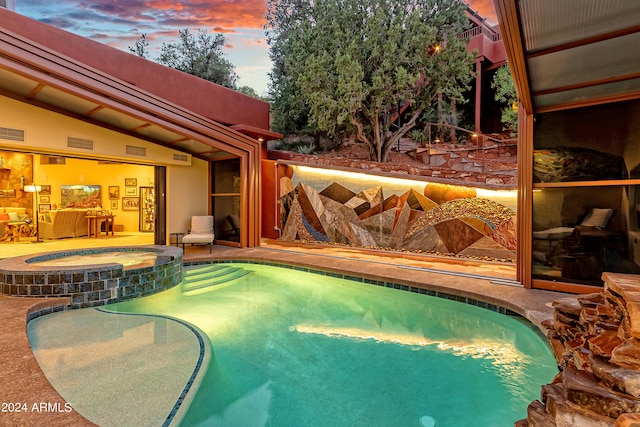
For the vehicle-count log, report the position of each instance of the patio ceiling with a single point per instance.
(36, 93)
(570, 53)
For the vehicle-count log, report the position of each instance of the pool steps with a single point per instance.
(210, 276)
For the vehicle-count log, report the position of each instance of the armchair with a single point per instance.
(201, 232)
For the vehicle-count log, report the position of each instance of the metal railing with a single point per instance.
(472, 141)
(476, 31)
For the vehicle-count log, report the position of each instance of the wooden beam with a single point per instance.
(583, 85)
(508, 17)
(583, 42)
(524, 227)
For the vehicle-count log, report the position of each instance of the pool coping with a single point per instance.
(25, 381)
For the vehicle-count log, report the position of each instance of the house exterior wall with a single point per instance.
(182, 204)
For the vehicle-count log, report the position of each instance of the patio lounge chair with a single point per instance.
(201, 232)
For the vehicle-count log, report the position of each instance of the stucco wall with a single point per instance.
(47, 132)
(187, 193)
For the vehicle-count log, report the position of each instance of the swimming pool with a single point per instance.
(296, 348)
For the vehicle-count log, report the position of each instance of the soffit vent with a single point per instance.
(136, 151)
(84, 144)
(180, 157)
(52, 160)
(12, 134)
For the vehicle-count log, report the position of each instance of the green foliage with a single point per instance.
(200, 54)
(505, 93)
(141, 47)
(305, 149)
(344, 66)
(418, 136)
(249, 91)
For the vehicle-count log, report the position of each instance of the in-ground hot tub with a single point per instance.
(93, 277)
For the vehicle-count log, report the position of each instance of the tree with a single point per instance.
(200, 54)
(249, 91)
(288, 109)
(141, 47)
(506, 94)
(352, 63)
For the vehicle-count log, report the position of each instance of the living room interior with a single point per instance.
(48, 198)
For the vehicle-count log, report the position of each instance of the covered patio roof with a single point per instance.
(570, 53)
(34, 72)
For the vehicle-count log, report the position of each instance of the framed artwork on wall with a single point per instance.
(44, 207)
(130, 191)
(114, 192)
(130, 203)
(80, 196)
(45, 190)
(114, 205)
(131, 182)
(45, 199)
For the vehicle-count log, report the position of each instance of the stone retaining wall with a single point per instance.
(490, 178)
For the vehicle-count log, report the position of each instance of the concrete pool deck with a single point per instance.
(24, 381)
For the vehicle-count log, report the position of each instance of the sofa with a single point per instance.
(12, 215)
(63, 223)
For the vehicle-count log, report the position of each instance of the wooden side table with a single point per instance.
(176, 239)
(94, 221)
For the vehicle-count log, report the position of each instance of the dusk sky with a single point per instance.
(120, 22)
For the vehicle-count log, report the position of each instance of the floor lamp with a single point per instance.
(35, 189)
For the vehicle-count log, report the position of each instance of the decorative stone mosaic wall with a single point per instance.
(91, 286)
(436, 218)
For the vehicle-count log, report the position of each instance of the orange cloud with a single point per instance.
(485, 8)
(209, 13)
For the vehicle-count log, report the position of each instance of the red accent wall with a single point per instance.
(213, 101)
(493, 51)
(270, 202)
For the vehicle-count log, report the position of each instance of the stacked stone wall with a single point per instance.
(596, 341)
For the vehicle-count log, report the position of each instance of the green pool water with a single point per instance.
(292, 348)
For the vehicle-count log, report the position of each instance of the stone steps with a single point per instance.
(206, 278)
